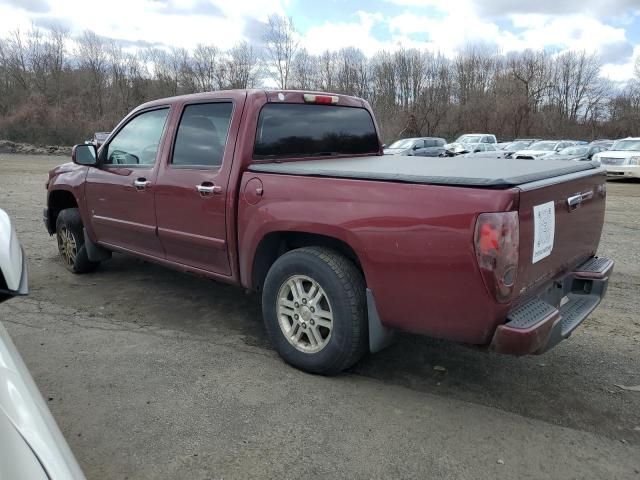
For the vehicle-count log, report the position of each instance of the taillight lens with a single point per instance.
(497, 238)
(321, 99)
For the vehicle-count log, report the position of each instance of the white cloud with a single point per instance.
(334, 36)
(621, 72)
(137, 20)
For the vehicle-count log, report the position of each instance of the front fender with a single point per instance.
(69, 178)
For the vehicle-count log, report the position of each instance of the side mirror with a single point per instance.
(13, 263)
(415, 147)
(84, 154)
(477, 150)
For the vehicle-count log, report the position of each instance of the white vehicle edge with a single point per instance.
(31, 444)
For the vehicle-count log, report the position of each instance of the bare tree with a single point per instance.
(281, 45)
(92, 58)
(531, 73)
(206, 67)
(242, 67)
(304, 71)
(413, 92)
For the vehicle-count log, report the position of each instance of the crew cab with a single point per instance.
(289, 194)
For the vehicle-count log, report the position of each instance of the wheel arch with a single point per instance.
(58, 200)
(275, 244)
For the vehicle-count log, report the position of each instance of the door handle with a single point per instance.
(207, 189)
(141, 183)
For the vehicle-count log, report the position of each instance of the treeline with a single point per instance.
(54, 93)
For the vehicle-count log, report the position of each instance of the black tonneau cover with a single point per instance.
(463, 171)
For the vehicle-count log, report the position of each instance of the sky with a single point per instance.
(608, 27)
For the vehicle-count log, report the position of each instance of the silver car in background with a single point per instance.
(542, 148)
(31, 444)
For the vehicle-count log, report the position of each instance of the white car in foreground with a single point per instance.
(31, 444)
(623, 159)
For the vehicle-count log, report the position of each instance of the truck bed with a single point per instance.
(460, 171)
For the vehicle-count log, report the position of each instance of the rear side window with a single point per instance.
(202, 134)
(302, 130)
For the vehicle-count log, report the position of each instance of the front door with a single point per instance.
(120, 191)
(191, 192)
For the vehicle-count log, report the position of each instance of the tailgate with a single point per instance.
(561, 221)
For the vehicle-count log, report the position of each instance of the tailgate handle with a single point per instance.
(577, 200)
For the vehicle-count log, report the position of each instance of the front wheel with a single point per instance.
(70, 236)
(314, 308)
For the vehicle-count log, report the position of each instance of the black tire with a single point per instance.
(70, 223)
(344, 286)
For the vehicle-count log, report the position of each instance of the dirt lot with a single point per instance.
(154, 374)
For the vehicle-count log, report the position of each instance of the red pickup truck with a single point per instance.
(288, 193)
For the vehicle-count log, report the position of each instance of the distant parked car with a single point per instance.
(623, 159)
(473, 138)
(422, 147)
(31, 445)
(605, 143)
(539, 149)
(482, 150)
(98, 138)
(515, 146)
(456, 147)
(576, 152)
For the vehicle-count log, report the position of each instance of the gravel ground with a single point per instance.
(151, 373)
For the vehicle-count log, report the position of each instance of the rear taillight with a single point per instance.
(497, 239)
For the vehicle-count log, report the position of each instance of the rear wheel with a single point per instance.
(70, 236)
(314, 310)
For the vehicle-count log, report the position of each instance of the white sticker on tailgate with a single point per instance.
(544, 228)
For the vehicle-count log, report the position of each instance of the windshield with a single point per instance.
(405, 143)
(627, 146)
(543, 146)
(468, 139)
(574, 151)
(303, 130)
(515, 146)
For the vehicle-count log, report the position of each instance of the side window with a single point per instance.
(202, 135)
(429, 143)
(440, 142)
(418, 144)
(137, 142)
(485, 140)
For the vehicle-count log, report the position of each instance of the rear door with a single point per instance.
(120, 191)
(191, 192)
(419, 148)
(560, 225)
